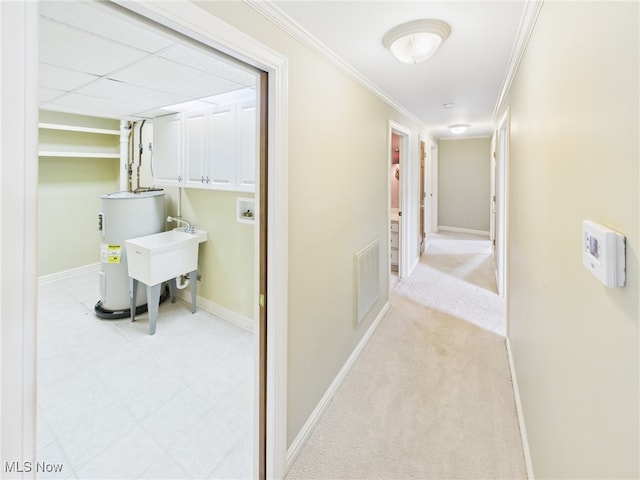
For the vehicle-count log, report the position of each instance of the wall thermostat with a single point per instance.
(603, 253)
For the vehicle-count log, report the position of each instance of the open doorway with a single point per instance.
(18, 367)
(422, 199)
(395, 212)
(181, 401)
(399, 199)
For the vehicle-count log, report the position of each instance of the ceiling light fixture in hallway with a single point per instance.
(458, 128)
(416, 41)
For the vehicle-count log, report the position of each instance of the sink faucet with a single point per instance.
(187, 226)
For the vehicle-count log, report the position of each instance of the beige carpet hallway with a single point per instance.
(430, 396)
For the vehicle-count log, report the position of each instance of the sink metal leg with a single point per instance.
(172, 290)
(153, 301)
(134, 298)
(193, 276)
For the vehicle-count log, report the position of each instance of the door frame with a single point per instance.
(423, 201)
(405, 203)
(433, 194)
(492, 199)
(501, 203)
(18, 215)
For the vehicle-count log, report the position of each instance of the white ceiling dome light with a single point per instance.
(458, 128)
(416, 41)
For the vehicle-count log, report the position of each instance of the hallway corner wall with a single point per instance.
(575, 155)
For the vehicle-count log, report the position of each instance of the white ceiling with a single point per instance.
(97, 61)
(468, 70)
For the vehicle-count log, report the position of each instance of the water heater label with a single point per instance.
(110, 253)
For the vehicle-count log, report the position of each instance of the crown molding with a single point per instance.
(525, 29)
(274, 14)
(462, 137)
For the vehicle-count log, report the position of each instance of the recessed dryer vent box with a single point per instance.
(603, 253)
(246, 210)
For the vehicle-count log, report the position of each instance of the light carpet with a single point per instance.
(457, 276)
(430, 396)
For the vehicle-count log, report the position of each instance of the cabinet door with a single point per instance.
(247, 147)
(167, 150)
(196, 149)
(222, 147)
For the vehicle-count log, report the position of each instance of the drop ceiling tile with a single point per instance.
(77, 103)
(167, 76)
(98, 20)
(81, 51)
(236, 96)
(125, 92)
(156, 112)
(60, 78)
(207, 61)
(48, 94)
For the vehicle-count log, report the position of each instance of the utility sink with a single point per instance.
(159, 257)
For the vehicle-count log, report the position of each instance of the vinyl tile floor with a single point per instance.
(117, 403)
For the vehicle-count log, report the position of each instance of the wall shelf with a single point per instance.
(78, 154)
(75, 128)
(63, 135)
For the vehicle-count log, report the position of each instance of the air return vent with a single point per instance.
(368, 278)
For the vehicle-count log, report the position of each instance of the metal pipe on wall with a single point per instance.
(125, 177)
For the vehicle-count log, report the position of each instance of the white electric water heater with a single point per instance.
(123, 215)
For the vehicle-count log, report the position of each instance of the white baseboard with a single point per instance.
(463, 230)
(316, 415)
(66, 274)
(224, 313)
(523, 430)
(413, 266)
(230, 316)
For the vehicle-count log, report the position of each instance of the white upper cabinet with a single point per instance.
(224, 155)
(196, 148)
(212, 148)
(168, 150)
(248, 146)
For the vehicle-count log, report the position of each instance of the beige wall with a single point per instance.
(226, 260)
(575, 156)
(69, 191)
(338, 203)
(464, 184)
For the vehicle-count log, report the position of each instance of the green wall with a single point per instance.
(69, 193)
(226, 260)
(69, 189)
